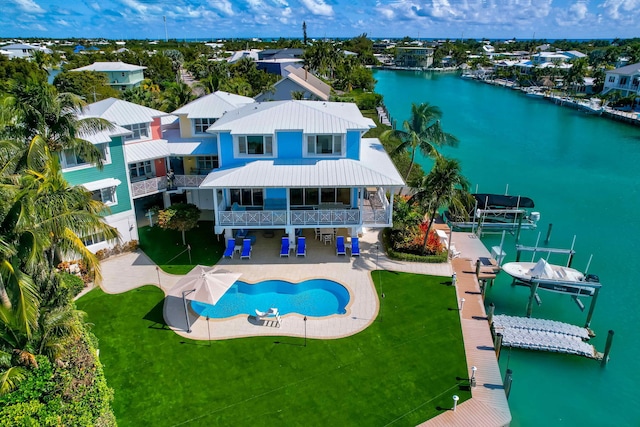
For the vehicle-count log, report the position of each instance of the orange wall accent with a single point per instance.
(161, 168)
(156, 132)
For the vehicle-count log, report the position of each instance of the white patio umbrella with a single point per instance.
(204, 284)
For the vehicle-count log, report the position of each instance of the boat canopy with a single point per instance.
(492, 201)
(542, 270)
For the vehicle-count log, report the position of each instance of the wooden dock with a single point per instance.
(488, 404)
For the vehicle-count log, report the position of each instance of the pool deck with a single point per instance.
(488, 405)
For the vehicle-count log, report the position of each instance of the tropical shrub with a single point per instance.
(71, 392)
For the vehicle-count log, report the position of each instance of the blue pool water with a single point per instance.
(317, 298)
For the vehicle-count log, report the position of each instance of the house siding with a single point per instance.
(289, 145)
(186, 130)
(353, 145)
(226, 150)
(116, 169)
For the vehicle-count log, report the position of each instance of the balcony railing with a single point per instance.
(148, 186)
(280, 218)
(155, 185)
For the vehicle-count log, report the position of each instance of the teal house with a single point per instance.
(109, 185)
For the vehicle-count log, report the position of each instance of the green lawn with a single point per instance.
(401, 370)
(165, 247)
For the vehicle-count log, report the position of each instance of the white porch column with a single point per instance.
(228, 234)
(189, 196)
(166, 199)
(391, 206)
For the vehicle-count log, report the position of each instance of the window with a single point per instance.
(255, 145)
(201, 125)
(105, 195)
(612, 79)
(71, 158)
(207, 163)
(623, 81)
(324, 144)
(140, 169)
(247, 196)
(317, 196)
(94, 239)
(140, 131)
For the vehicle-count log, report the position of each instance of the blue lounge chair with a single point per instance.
(340, 250)
(284, 247)
(301, 249)
(231, 246)
(246, 249)
(355, 246)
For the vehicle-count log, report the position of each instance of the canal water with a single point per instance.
(583, 172)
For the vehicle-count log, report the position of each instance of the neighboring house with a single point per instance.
(278, 66)
(541, 58)
(286, 53)
(109, 185)
(414, 57)
(24, 51)
(297, 79)
(193, 150)
(120, 75)
(238, 55)
(146, 152)
(625, 79)
(299, 164)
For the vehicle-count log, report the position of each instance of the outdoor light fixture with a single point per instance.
(461, 303)
(473, 376)
(455, 402)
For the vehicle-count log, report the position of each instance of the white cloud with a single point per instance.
(62, 22)
(318, 7)
(223, 6)
(621, 9)
(29, 6)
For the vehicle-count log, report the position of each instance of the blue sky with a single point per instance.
(214, 19)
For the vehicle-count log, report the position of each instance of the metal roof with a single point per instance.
(626, 70)
(308, 81)
(376, 169)
(265, 118)
(125, 113)
(213, 105)
(146, 150)
(193, 148)
(101, 183)
(104, 136)
(110, 66)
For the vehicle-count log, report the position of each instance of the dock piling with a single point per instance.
(508, 379)
(592, 307)
(532, 297)
(497, 344)
(546, 240)
(492, 309)
(607, 349)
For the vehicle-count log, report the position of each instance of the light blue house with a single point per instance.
(120, 76)
(299, 164)
(110, 185)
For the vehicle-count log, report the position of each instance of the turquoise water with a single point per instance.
(317, 298)
(582, 173)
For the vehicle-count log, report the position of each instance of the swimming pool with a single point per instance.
(316, 297)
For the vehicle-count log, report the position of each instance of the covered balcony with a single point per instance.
(373, 210)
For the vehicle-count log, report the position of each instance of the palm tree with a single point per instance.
(176, 95)
(38, 109)
(422, 132)
(443, 186)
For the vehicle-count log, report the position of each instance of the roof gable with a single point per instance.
(110, 66)
(308, 116)
(213, 105)
(627, 69)
(122, 112)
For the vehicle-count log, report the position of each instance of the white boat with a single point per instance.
(554, 278)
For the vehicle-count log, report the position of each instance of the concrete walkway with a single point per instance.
(129, 271)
